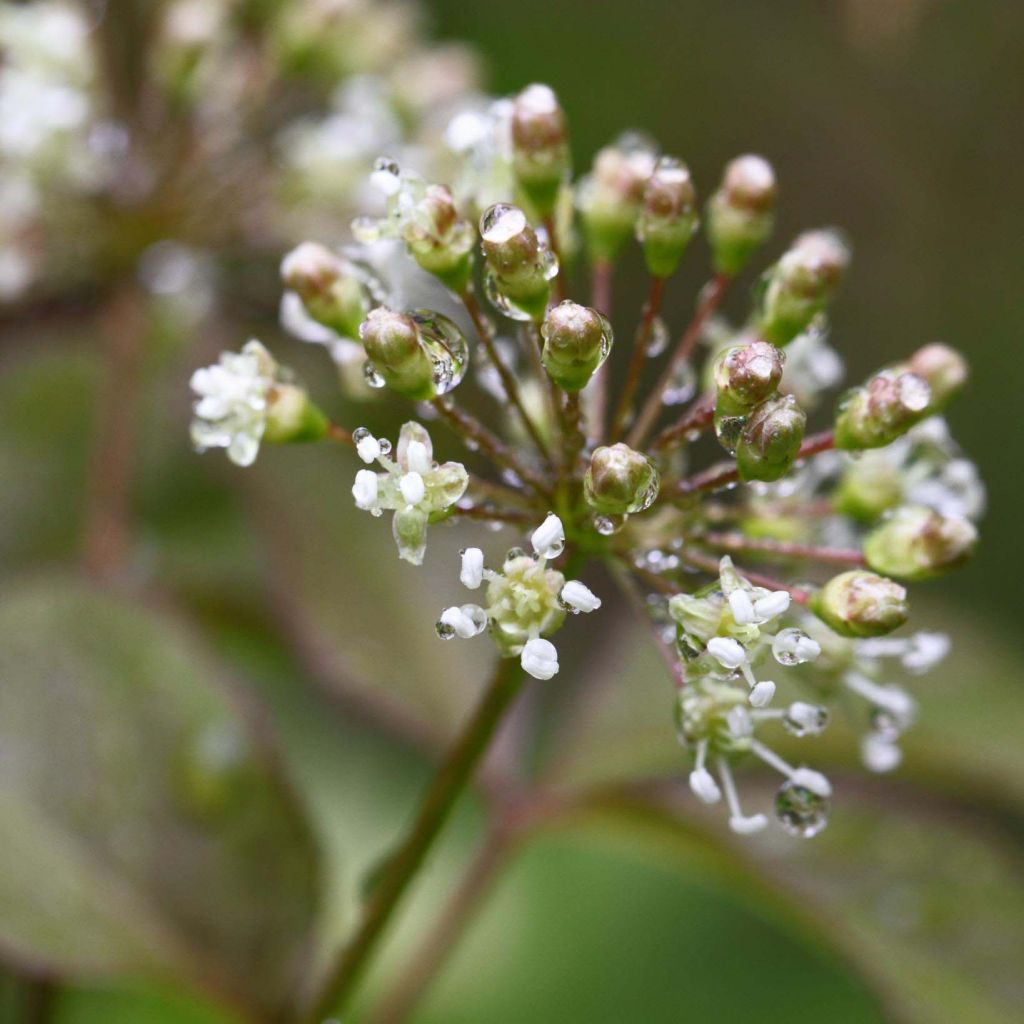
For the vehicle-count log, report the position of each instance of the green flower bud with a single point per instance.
(540, 147)
(577, 341)
(332, 291)
(291, 416)
(943, 368)
(741, 213)
(875, 414)
(801, 285)
(439, 239)
(609, 197)
(916, 543)
(771, 439)
(620, 480)
(861, 604)
(668, 216)
(519, 266)
(746, 375)
(392, 341)
(869, 487)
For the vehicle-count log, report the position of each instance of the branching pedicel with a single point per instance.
(883, 494)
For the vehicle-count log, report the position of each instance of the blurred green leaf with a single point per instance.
(147, 830)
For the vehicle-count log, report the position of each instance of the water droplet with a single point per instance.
(609, 525)
(547, 261)
(502, 222)
(657, 340)
(372, 375)
(514, 553)
(376, 512)
(886, 724)
(799, 811)
(502, 303)
(793, 647)
(805, 719)
(477, 616)
(445, 346)
(728, 430)
(443, 630)
(385, 445)
(359, 433)
(682, 385)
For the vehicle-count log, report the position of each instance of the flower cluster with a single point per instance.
(780, 565)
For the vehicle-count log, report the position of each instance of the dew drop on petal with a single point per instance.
(799, 811)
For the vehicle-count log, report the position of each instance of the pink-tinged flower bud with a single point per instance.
(746, 375)
(771, 439)
(332, 292)
(439, 239)
(620, 480)
(519, 265)
(943, 368)
(609, 197)
(916, 543)
(668, 216)
(801, 285)
(861, 604)
(875, 414)
(577, 340)
(540, 146)
(741, 213)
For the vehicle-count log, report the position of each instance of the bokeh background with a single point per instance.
(899, 121)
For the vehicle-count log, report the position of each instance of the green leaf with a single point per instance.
(146, 828)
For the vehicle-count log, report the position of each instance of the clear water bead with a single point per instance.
(805, 719)
(446, 347)
(443, 630)
(609, 525)
(385, 445)
(657, 340)
(502, 303)
(682, 385)
(372, 375)
(799, 811)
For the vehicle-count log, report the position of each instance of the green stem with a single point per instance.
(451, 779)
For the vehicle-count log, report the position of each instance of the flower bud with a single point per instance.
(291, 416)
(746, 375)
(609, 197)
(916, 543)
(392, 341)
(620, 480)
(801, 285)
(519, 266)
(577, 341)
(859, 604)
(331, 292)
(741, 213)
(439, 239)
(540, 149)
(868, 488)
(771, 439)
(875, 414)
(943, 368)
(668, 216)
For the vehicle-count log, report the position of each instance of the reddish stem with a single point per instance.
(638, 357)
(740, 544)
(698, 418)
(710, 565)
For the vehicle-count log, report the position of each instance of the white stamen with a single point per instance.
(539, 658)
(879, 754)
(926, 651)
(462, 623)
(806, 777)
(364, 490)
(889, 698)
(762, 693)
(549, 538)
(741, 607)
(772, 605)
(368, 448)
(579, 597)
(728, 652)
(412, 487)
(385, 181)
(738, 821)
(704, 786)
(416, 458)
(472, 572)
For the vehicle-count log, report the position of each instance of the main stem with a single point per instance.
(448, 783)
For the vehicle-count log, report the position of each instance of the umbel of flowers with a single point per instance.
(770, 561)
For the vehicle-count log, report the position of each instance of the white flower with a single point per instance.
(579, 597)
(548, 539)
(539, 658)
(231, 411)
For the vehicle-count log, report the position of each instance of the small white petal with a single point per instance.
(879, 754)
(364, 490)
(742, 609)
(812, 780)
(549, 538)
(747, 826)
(772, 605)
(539, 658)
(368, 448)
(472, 572)
(412, 487)
(417, 459)
(762, 694)
(704, 787)
(726, 651)
(579, 597)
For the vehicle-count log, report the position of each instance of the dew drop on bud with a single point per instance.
(372, 375)
(502, 303)
(799, 811)
(445, 346)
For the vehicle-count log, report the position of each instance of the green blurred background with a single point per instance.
(899, 121)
